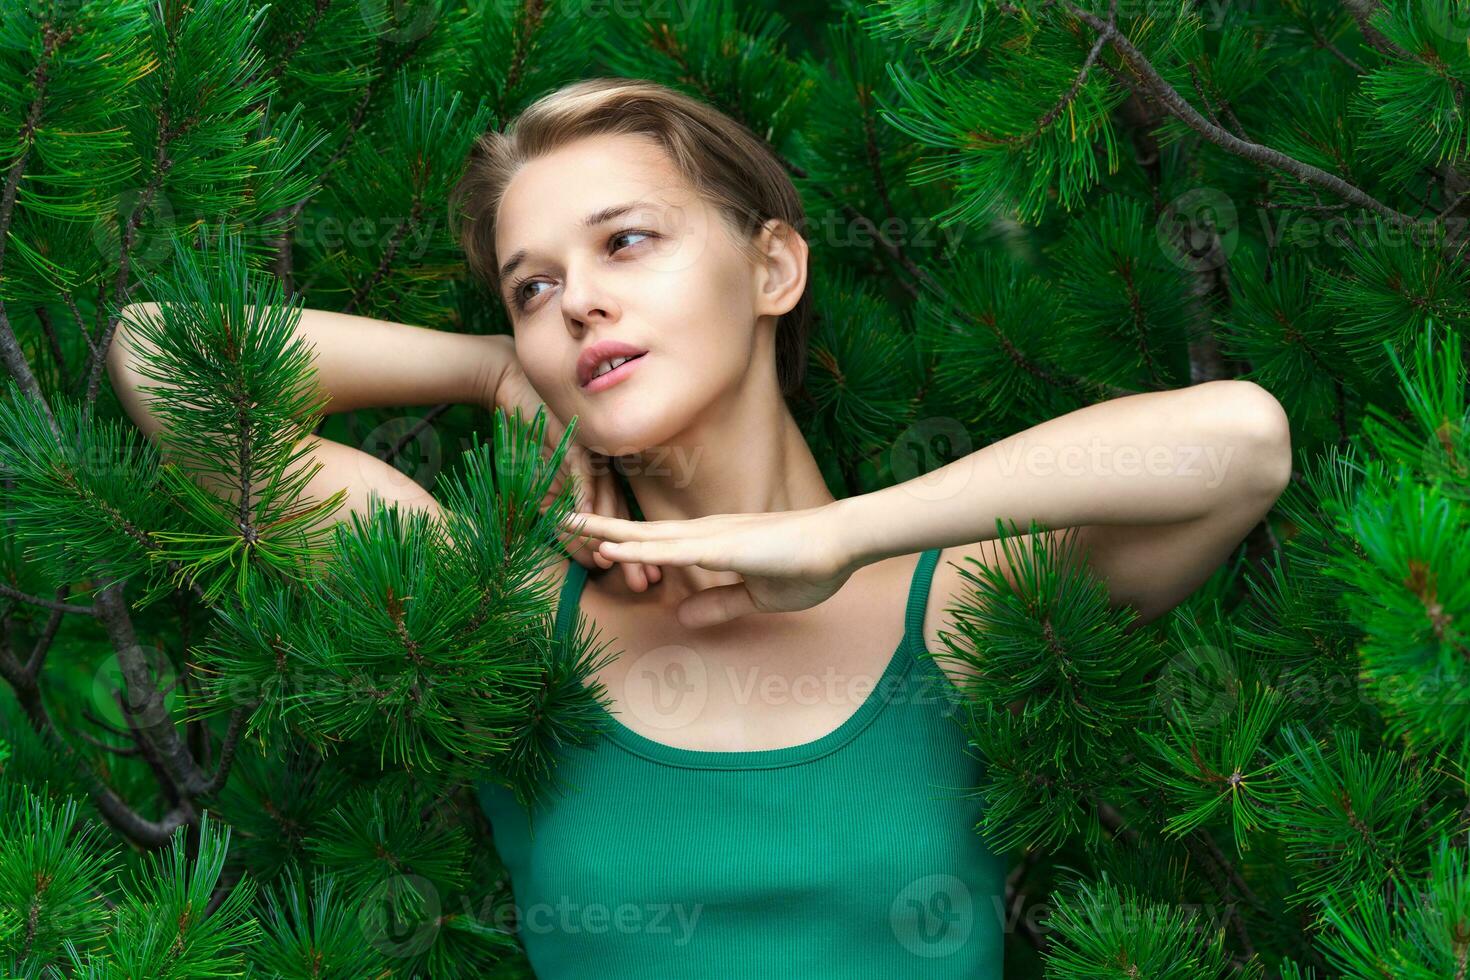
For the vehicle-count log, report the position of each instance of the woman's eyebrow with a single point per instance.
(591, 221)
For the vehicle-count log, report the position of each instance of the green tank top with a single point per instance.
(852, 856)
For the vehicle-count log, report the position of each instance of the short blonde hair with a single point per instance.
(721, 158)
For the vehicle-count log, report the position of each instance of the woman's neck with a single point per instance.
(751, 458)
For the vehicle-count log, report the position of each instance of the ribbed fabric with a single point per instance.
(852, 856)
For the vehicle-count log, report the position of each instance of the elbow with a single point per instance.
(117, 350)
(1267, 438)
(115, 359)
(124, 346)
(113, 356)
(124, 378)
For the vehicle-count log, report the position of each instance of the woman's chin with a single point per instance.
(627, 431)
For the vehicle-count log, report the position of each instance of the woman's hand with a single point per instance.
(597, 491)
(788, 560)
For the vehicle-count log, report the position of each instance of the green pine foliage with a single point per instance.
(240, 729)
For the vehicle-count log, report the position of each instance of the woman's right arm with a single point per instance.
(360, 362)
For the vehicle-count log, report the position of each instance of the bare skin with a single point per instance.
(789, 583)
(807, 588)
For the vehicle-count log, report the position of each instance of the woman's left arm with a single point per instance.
(1160, 487)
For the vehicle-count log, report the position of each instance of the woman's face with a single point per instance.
(665, 276)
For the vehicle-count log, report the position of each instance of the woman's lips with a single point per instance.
(612, 377)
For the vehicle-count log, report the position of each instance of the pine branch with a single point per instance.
(386, 262)
(875, 164)
(1113, 821)
(1217, 866)
(1327, 45)
(284, 256)
(162, 163)
(296, 40)
(76, 315)
(408, 437)
(227, 751)
(156, 727)
(1264, 155)
(403, 52)
(149, 754)
(918, 276)
(1070, 95)
(524, 42)
(1221, 874)
(89, 715)
(121, 817)
(1210, 268)
(43, 316)
(1015, 898)
(43, 642)
(1083, 385)
(122, 750)
(1362, 11)
(14, 593)
(10, 353)
(108, 607)
(142, 537)
(1199, 89)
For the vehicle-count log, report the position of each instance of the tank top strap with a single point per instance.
(913, 626)
(571, 594)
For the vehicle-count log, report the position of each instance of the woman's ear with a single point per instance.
(781, 267)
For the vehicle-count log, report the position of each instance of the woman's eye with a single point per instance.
(625, 234)
(518, 296)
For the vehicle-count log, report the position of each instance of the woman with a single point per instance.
(782, 787)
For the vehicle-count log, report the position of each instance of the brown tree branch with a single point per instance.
(35, 600)
(121, 817)
(1362, 11)
(1264, 155)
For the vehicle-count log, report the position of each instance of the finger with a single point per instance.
(610, 503)
(579, 548)
(585, 482)
(584, 556)
(715, 605)
(679, 553)
(604, 501)
(637, 579)
(684, 551)
(602, 493)
(620, 529)
(584, 552)
(640, 574)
